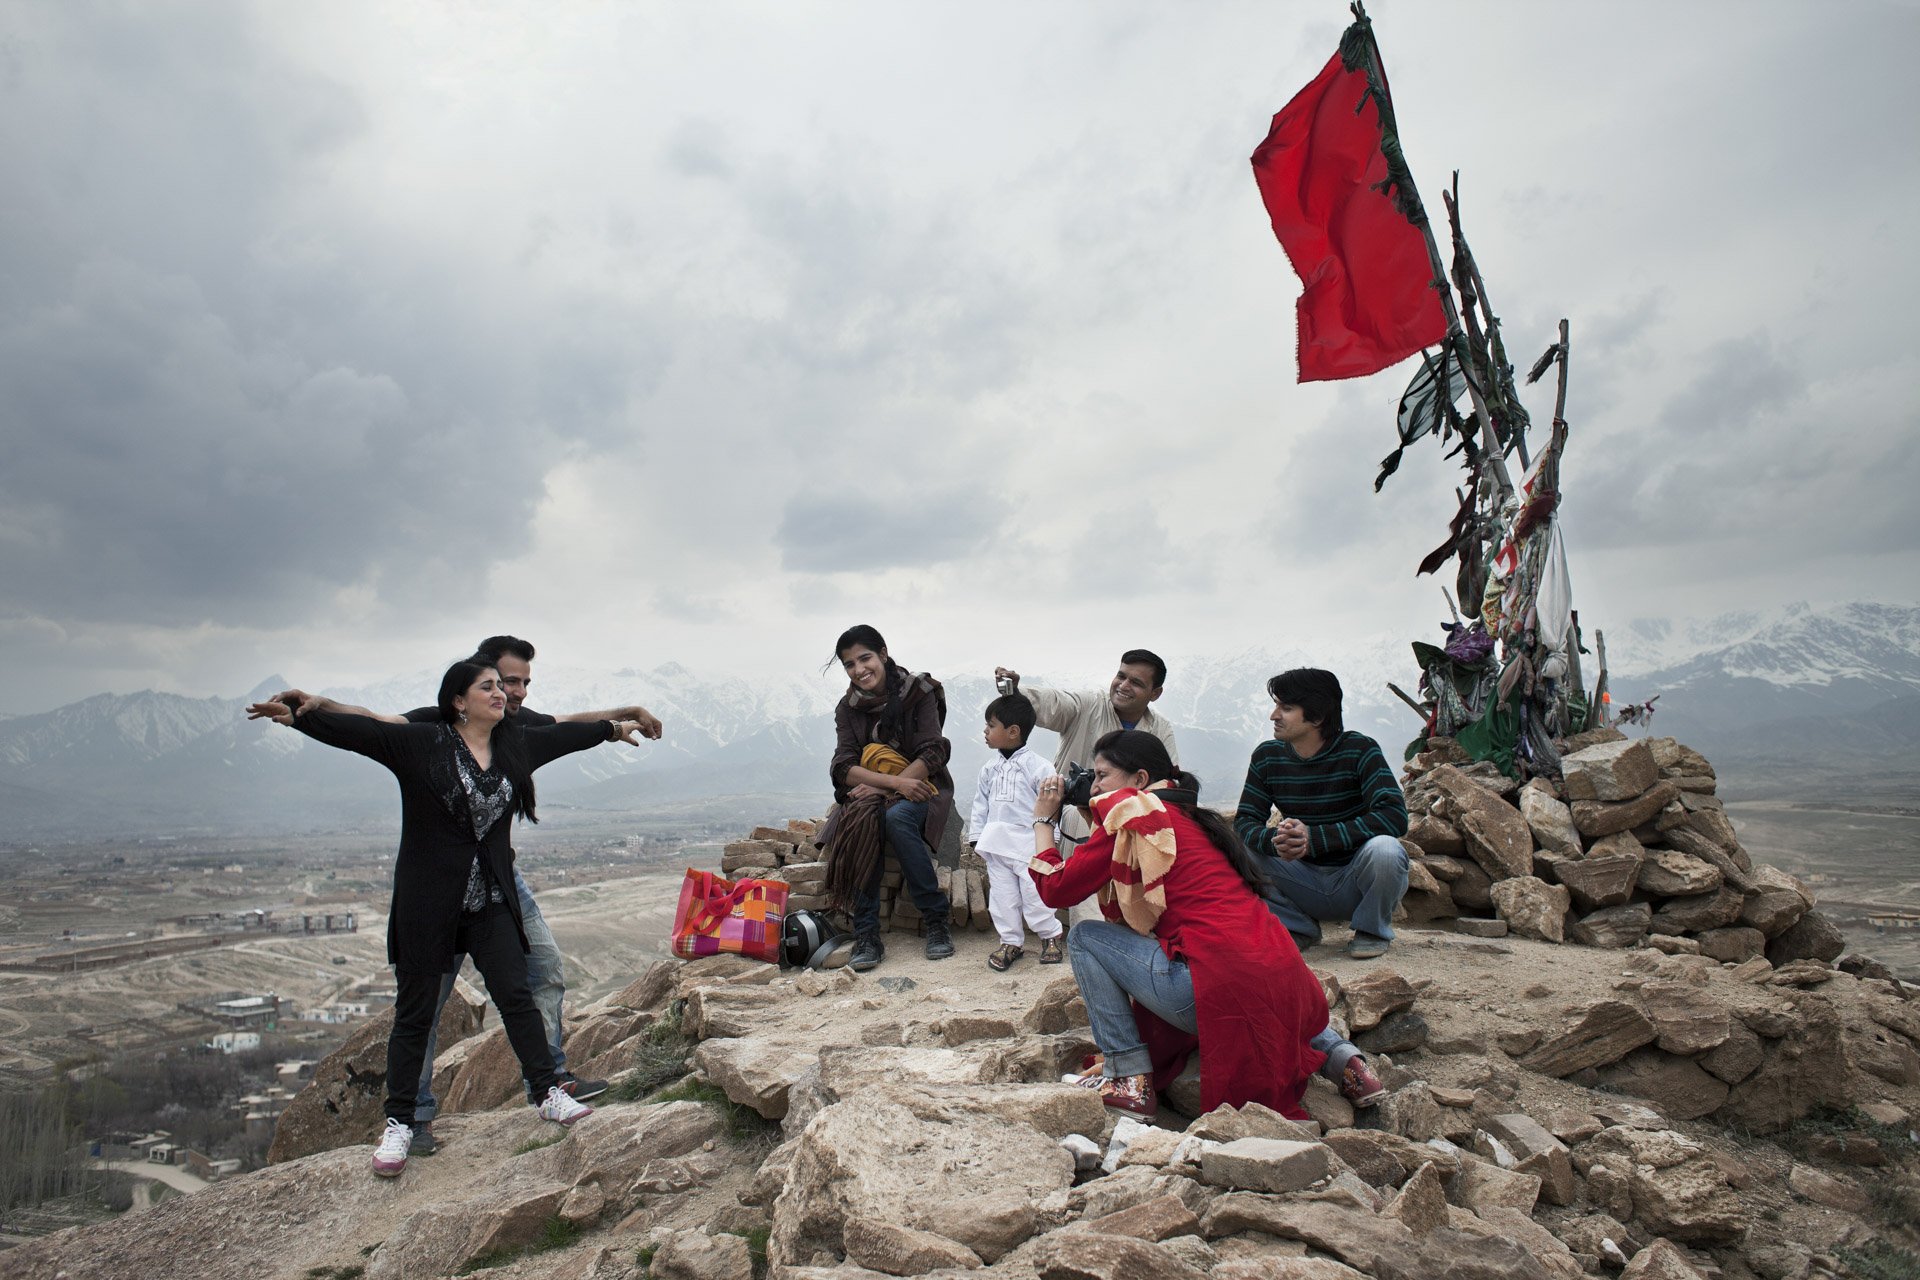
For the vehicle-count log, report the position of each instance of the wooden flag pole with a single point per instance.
(1456, 332)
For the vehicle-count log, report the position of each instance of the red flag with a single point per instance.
(1369, 300)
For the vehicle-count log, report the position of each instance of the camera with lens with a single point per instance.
(1076, 788)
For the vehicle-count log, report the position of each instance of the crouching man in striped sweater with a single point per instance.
(1335, 854)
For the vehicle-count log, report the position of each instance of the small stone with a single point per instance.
(1825, 1189)
(1803, 973)
(1668, 873)
(1735, 944)
(1532, 908)
(1609, 771)
(1084, 1150)
(1688, 1019)
(1538, 1152)
(1373, 995)
(1483, 1185)
(1606, 1031)
(1737, 1057)
(1661, 1260)
(1701, 911)
(1550, 820)
(1596, 818)
(1885, 1113)
(1478, 928)
(902, 1251)
(1402, 1032)
(1266, 1164)
(1617, 927)
(1496, 836)
(1812, 937)
(1421, 1205)
(1160, 1218)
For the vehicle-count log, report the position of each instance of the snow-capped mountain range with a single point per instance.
(1821, 682)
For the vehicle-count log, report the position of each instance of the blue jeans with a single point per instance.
(1117, 967)
(909, 847)
(546, 979)
(1366, 890)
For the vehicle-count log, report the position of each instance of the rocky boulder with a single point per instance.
(1609, 771)
(1495, 835)
(973, 1179)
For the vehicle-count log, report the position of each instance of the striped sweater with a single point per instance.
(1346, 795)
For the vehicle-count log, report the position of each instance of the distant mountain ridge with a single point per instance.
(1838, 687)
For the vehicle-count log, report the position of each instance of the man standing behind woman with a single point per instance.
(462, 780)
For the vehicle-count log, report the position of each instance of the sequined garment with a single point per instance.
(486, 796)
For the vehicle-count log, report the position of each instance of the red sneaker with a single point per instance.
(1359, 1085)
(1131, 1094)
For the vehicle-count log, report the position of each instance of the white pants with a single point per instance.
(1012, 900)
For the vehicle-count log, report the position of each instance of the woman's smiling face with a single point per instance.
(866, 668)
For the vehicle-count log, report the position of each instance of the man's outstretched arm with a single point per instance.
(648, 722)
(302, 702)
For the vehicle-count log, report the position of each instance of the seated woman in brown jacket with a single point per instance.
(889, 773)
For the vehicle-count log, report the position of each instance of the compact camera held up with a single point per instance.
(1076, 789)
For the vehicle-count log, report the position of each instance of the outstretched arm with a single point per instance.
(299, 701)
(548, 742)
(644, 720)
(363, 735)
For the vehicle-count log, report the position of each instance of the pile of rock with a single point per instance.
(1629, 847)
(789, 855)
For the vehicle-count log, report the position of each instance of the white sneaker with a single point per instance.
(390, 1157)
(560, 1108)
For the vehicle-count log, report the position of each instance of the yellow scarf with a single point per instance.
(881, 758)
(1143, 852)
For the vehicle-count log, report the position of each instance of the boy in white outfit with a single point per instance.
(1002, 827)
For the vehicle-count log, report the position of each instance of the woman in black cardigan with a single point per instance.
(461, 781)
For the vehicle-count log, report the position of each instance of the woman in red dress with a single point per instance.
(1189, 957)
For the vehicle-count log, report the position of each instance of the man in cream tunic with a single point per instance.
(1082, 719)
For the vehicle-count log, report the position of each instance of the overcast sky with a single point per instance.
(335, 336)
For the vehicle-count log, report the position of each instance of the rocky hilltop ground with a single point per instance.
(1615, 1047)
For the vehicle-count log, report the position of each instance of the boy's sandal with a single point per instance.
(1002, 960)
(1051, 951)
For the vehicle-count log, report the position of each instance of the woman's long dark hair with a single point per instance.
(509, 748)
(893, 718)
(1133, 750)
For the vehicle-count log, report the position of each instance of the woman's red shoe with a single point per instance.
(1131, 1094)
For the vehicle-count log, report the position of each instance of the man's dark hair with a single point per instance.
(1146, 658)
(1014, 710)
(493, 647)
(1315, 692)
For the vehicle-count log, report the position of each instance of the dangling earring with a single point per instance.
(463, 717)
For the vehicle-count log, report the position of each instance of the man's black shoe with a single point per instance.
(423, 1142)
(580, 1090)
(868, 951)
(939, 940)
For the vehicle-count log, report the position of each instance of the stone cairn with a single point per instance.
(1629, 847)
(789, 856)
